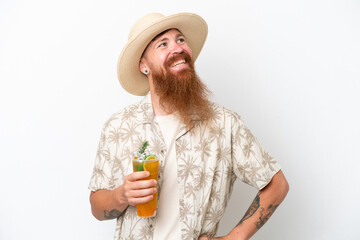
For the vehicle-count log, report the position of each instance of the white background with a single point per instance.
(290, 68)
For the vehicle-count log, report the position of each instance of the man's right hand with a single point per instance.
(135, 189)
(108, 204)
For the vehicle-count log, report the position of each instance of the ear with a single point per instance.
(142, 66)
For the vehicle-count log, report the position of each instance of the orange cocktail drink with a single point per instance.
(150, 164)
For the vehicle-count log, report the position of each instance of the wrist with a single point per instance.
(117, 195)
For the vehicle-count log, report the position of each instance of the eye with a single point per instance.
(162, 45)
(181, 40)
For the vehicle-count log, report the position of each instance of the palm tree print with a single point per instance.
(114, 136)
(129, 132)
(214, 214)
(201, 180)
(186, 210)
(268, 160)
(210, 157)
(187, 168)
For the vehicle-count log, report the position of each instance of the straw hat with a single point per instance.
(144, 30)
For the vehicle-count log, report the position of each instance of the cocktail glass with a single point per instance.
(150, 164)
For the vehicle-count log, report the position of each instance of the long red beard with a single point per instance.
(183, 92)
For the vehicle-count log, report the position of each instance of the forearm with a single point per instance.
(107, 204)
(261, 209)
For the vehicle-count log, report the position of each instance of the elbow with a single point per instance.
(279, 186)
(283, 187)
(277, 189)
(94, 210)
(97, 216)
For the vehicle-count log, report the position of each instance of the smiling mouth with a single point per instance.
(178, 63)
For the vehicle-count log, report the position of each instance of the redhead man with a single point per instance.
(203, 147)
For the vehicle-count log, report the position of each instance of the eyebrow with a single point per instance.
(160, 40)
(156, 41)
(179, 35)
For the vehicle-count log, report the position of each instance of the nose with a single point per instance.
(177, 48)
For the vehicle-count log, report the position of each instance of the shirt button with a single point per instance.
(162, 151)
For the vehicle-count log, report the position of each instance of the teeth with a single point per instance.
(178, 63)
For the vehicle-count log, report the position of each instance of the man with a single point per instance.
(202, 147)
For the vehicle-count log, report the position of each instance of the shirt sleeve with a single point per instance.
(251, 162)
(102, 176)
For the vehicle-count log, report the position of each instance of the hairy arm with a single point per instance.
(260, 210)
(109, 204)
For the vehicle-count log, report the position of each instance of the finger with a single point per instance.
(131, 187)
(141, 193)
(135, 201)
(137, 175)
(141, 184)
(147, 186)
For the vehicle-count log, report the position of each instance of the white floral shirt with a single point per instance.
(209, 159)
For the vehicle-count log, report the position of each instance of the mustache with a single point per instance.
(174, 58)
